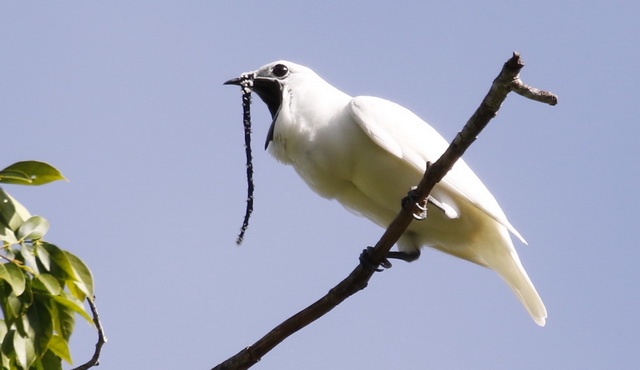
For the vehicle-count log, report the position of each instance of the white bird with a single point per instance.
(366, 152)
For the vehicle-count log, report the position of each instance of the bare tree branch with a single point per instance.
(532, 93)
(102, 339)
(508, 80)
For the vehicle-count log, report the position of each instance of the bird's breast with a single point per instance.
(320, 148)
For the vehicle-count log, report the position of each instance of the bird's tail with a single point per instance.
(507, 264)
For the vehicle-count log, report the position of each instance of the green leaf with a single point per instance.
(7, 235)
(12, 213)
(50, 361)
(48, 283)
(79, 275)
(7, 343)
(73, 288)
(61, 260)
(14, 308)
(24, 349)
(60, 347)
(14, 276)
(6, 361)
(33, 228)
(63, 318)
(19, 177)
(3, 330)
(29, 258)
(39, 316)
(43, 256)
(30, 173)
(73, 305)
(84, 277)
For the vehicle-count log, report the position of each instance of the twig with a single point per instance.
(532, 93)
(508, 80)
(102, 339)
(247, 85)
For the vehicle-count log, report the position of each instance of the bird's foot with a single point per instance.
(405, 256)
(438, 204)
(365, 259)
(412, 199)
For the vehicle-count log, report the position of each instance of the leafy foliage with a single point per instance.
(42, 287)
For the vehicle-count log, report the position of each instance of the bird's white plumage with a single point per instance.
(367, 152)
(407, 136)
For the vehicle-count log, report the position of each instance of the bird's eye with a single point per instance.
(280, 70)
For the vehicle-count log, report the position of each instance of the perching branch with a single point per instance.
(508, 80)
(102, 339)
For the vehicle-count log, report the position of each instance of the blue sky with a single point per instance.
(126, 98)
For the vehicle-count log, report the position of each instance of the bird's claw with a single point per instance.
(410, 200)
(365, 261)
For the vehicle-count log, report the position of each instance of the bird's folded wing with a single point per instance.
(405, 135)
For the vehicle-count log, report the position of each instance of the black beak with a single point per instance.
(233, 81)
(270, 91)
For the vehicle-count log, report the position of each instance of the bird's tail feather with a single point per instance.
(507, 264)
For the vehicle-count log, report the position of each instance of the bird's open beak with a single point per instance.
(233, 81)
(270, 91)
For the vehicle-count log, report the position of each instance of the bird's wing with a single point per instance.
(405, 135)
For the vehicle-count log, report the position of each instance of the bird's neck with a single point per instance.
(303, 113)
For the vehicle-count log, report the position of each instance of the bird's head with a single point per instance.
(269, 82)
(274, 83)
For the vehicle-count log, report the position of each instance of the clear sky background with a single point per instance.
(126, 98)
